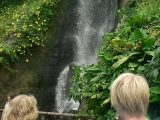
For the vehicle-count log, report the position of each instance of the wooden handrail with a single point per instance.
(63, 114)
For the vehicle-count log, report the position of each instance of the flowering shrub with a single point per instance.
(22, 26)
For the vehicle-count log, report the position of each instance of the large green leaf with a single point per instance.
(133, 64)
(148, 42)
(118, 57)
(104, 86)
(95, 79)
(97, 96)
(152, 53)
(105, 57)
(140, 60)
(155, 99)
(118, 41)
(93, 68)
(155, 90)
(110, 112)
(87, 94)
(133, 53)
(138, 34)
(119, 62)
(156, 80)
(106, 101)
(140, 68)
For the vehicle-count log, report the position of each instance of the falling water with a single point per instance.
(63, 104)
(95, 18)
(61, 88)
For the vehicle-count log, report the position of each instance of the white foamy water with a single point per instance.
(62, 102)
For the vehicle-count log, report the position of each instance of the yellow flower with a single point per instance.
(30, 25)
(27, 60)
(19, 35)
(8, 31)
(38, 8)
(15, 28)
(36, 22)
(24, 27)
(39, 29)
(37, 13)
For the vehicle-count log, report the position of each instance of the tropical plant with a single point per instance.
(134, 47)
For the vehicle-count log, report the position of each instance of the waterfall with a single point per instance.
(62, 102)
(60, 89)
(95, 18)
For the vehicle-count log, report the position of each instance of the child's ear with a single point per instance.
(117, 118)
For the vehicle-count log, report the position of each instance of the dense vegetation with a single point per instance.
(134, 47)
(23, 24)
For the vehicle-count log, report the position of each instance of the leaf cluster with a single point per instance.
(134, 47)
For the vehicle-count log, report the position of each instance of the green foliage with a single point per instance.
(133, 47)
(23, 25)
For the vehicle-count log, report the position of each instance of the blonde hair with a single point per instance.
(130, 93)
(22, 107)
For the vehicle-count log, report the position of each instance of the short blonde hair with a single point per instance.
(130, 93)
(22, 107)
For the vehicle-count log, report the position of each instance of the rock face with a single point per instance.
(39, 75)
